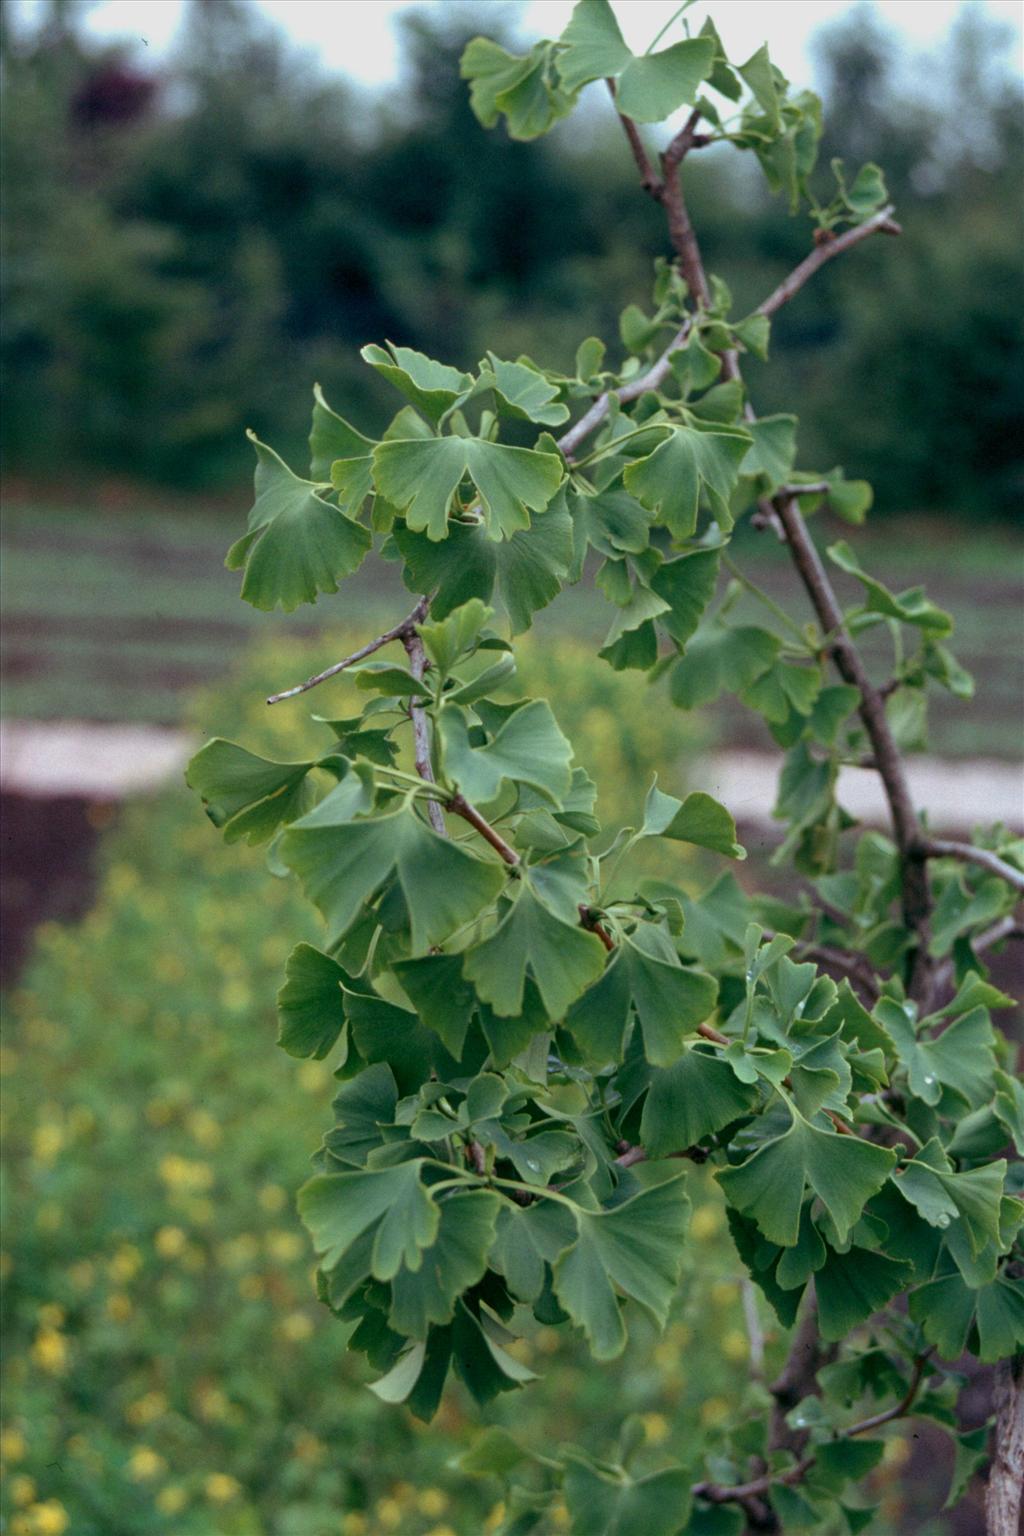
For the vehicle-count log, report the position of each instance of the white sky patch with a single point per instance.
(359, 38)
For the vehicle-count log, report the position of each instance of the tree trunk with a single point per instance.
(1006, 1478)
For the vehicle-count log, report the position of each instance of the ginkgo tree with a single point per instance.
(535, 1042)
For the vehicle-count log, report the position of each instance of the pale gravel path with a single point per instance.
(45, 758)
(957, 795)
(107, 762)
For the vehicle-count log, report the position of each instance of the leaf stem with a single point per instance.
(615, 443)
(768, 601)
(671, 22)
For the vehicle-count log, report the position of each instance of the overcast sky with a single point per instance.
(358, 37)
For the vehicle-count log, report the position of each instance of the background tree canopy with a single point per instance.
(188, 247)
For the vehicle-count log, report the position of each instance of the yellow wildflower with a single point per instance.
(735, 1345)
(183, 1173)
(251, 1287)
(13, 1444)
(220, 1488)
(354, 1524)
(656, 1427)
(714, 1410)
(171, 1500)
(560, 1517)
(146, 1409)
(23, 1490)
(239, 1252)
(723, 1293)
(125, 1264)
(389, 1513)
(170, 1242)
(440, 1530)
(51, 1315)
(144, 1463)
(50, 1351)
(495, 1517)
(121, 878)
(212, 1403)
(272, 1197)
(49, 1519)
(896, 1453)
(432, 1502)
(296, 1327)
(119, 1307)
(204, 1128)
(308, 1447)
(705, 1221)
(284, 1246)
(47, 1140)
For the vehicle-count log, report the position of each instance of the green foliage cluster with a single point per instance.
(187, 246)
(533, 1039)
(164, 1367)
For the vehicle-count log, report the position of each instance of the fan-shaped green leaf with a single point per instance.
(245, 795)
(637, 1246)
(420, 478)
(342, 862)
(310, 1008)
(843, 1171)
(528, 748)
(297, 544)
(531, 940)
(669, 480)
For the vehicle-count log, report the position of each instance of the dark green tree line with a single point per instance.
(187, 246)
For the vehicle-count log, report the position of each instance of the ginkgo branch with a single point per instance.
(632, 390)
(460, 806)
(396, 632)
(940, 848)
(716, 1493)
(880, 223)
(420, 728)
(784, 511)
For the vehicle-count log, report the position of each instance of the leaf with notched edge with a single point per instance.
(310, 1007)
(297, 544)
(245, 795)
(528, 748)
(342, 862)
(454, 1261)
(670, 1001)
(669, 480)
(530, 939)
(527, 570)
(637, 1246)
(420, 477)
(394, 1202)
(843, 1171)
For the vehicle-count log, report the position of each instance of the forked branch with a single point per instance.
(406, 626)
(881, 223)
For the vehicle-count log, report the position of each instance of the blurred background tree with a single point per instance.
(188, 245)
